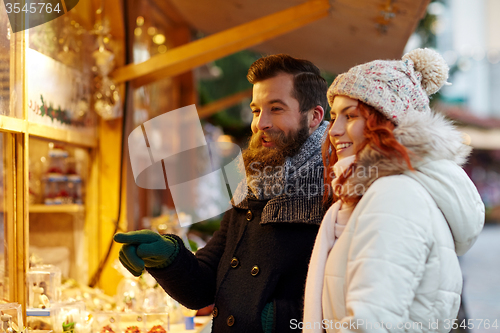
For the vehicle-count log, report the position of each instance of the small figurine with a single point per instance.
(68, 327)
(132, 329)
(40, 300)
(107, 329)
(6, 323)
(68, 324)
(157, 329)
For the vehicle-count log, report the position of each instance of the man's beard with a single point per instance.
(257, 157)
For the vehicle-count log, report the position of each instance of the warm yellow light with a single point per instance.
(159, 39)
(105, 40)
(151, 31)
(225, 138)
(162, 49)
(137, 31)
(466, 139)
(139, 21)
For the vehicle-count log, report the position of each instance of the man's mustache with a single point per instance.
(277, 137)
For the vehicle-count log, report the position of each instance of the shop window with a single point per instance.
(58, 174)
(5, 35)
(3, 254)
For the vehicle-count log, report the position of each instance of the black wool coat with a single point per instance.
(246, 264)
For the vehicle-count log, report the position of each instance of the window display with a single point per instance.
(5, 35)
(55, 52)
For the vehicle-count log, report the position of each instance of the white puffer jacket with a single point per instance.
(395, 266)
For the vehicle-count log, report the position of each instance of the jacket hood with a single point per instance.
(437, 153)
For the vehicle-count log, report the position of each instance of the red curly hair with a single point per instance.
(378, 134)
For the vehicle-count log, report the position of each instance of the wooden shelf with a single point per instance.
(71, 208)
(15, 125)
(68, 136)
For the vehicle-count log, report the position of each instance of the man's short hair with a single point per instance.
(309, 87)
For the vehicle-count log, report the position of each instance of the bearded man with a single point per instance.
(254, 267)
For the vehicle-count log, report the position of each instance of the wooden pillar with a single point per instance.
(108, 173)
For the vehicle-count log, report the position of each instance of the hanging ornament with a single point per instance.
(103, 60)
(107, 102)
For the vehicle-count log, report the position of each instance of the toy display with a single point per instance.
(44, 283)
(62, 183)
(11, 317)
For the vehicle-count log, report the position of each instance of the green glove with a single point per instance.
(146, 248)
(267, 317)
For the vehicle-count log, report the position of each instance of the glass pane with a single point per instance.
(152, 37)
(3, 254)
(4, 61)
(59, 69)
(57, 176)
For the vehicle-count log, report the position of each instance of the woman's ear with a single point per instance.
(315, 117)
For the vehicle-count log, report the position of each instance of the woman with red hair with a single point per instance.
(400, 207)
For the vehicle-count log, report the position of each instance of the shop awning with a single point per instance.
(335, 35)
(480, 132)
(354, 31)
(481, 138)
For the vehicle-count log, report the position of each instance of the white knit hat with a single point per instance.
(394, 87)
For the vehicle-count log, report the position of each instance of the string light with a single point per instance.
(159, 39)
(151, 31)
(162, 49)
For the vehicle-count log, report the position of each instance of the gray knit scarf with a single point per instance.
(294, 191)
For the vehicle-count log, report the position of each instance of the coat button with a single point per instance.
(230, 321)
(255, 270)
(234, 262)
(249, 215)
(215, 312)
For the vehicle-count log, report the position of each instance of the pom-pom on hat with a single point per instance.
(394, 87)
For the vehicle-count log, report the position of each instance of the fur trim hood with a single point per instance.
(437, 153)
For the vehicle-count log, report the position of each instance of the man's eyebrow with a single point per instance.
(273, 101)
(280, 101)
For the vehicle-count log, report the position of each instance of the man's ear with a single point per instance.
(315, 117)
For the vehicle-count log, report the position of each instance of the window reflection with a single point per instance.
(4, 61)
(3, 254)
